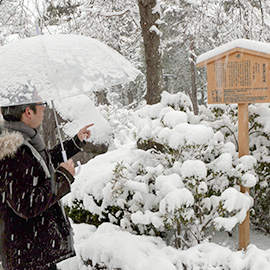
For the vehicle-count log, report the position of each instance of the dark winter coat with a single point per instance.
(34, 232)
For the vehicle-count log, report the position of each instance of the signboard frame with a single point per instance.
(241, 76)
(238, 76)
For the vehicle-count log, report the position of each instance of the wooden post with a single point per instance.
(243, 142)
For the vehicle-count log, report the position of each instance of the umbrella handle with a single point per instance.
(78, 170)
(64, 155)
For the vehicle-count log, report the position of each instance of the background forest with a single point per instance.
(180, 179)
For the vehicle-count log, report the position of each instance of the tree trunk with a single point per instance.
(151, 38)
(192, 62)
(49, 129)
(102, 97)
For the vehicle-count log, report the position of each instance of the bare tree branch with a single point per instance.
(119, 13)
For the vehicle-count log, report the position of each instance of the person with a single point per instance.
(35, 234)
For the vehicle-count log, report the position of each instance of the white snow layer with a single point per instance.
(234, 201)
(52, 67)
(195, 168)
(239, 43)
(118, 249)
(79, 111)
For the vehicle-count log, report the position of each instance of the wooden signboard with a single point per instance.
(239, 76)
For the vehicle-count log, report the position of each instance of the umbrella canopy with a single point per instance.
(50, 67)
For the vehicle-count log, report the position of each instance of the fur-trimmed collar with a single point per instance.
(9, 143)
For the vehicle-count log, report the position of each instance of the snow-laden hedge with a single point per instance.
(225, 119)
(185, 183)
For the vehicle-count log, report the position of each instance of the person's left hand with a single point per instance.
(84, 133)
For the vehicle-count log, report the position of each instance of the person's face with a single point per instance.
(36, 117)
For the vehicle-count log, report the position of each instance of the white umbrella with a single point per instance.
(57, 66)
(49, 67)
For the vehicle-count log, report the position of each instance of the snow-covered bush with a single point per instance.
(225, 119)
(179, 192)
(259, 148)
(187, 180)
(79, 111)
(123, 129)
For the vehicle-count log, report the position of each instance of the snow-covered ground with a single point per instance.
(117, 249)
(258, 238)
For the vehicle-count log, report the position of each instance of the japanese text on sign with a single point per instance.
(239, 79)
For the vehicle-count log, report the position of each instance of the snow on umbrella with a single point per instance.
(49, 67)
(57, 66)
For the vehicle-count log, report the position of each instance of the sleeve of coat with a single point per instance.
(28, 192)
(72, 147)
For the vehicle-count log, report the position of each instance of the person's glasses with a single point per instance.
(43, 104)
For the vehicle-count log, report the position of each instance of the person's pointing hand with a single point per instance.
(84, 133)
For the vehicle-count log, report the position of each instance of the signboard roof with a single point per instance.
(244, 45)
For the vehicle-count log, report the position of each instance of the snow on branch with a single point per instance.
(118, 13)
(133, 12)
(153, 28)
(156, 8)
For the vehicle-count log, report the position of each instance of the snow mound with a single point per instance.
(111, 247)
(80, 111)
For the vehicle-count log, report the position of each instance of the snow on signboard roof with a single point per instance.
(256, 46)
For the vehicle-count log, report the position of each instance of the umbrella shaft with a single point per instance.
(64, 155)
(59, 133)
